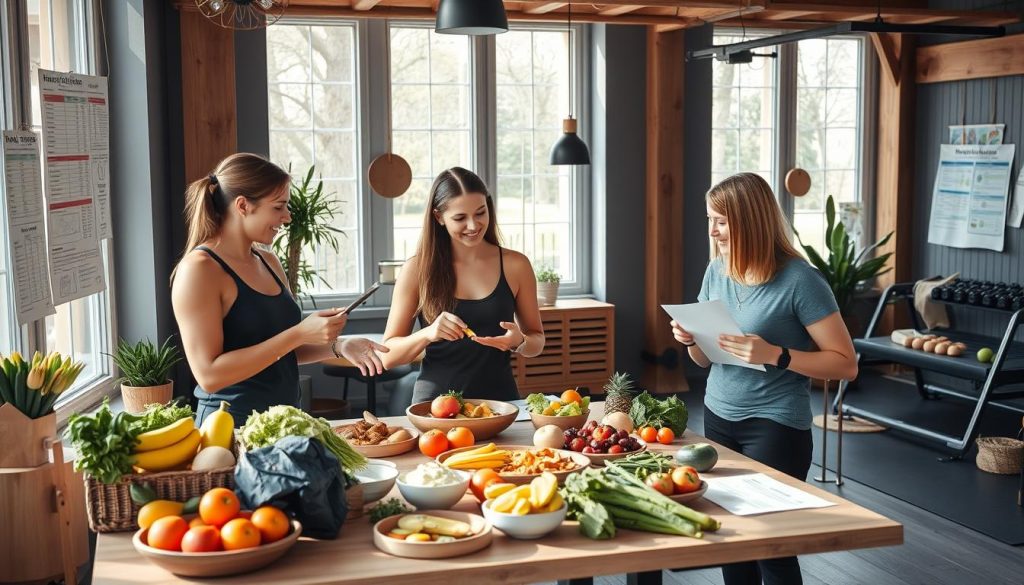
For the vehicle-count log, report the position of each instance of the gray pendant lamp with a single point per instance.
(570, 148)
(471, 17)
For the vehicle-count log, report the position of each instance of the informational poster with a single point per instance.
(23, 184)
(989, 134)
(970, 196)
(74, 109)
(1017, 205)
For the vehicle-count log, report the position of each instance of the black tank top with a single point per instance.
(476, 370)
(254, 318)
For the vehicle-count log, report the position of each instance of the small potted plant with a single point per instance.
(144, 368)
(547, 285)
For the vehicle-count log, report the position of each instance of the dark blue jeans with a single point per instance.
(778, 446)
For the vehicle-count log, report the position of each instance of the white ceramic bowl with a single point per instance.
(434, 497)
(524, 527)
(377, 479)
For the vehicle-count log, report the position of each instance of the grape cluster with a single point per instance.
(595, 438)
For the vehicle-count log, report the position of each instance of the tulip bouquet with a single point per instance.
(33, 386)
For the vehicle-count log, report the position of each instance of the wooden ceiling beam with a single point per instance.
(364, 4)
(617, 10)
(301, 11)
(545, 8)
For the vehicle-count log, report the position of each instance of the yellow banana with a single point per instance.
(176, 455)
(218, 429)
(486, 463)
(465, 457)
(165, 436)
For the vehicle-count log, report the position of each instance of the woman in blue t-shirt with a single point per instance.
(793, 327)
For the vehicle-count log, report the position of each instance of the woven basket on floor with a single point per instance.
(1000, 455)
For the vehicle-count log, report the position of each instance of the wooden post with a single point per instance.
(894, 195)
(664, 201)
(208, 93)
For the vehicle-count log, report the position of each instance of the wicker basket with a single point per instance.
(111, 508)
(1000, 455)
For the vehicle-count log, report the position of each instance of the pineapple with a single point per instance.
(618, 393)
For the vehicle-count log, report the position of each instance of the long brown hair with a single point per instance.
(239, 175)
(437, 272)
(758, 234)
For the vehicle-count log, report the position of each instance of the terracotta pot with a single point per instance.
(547, 293)
(137, 397)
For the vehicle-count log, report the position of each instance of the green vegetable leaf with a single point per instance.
(262, 429)
(392, 507)
(536, 403)
(647, 410)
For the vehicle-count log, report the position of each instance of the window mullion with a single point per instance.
(785, 123)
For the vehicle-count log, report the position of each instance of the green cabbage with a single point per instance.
(263, 429)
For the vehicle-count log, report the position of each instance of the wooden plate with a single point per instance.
(385, 449)
(483, 428)
(599, 459)
(690, 496)
(216, 564)
(389, 175)
(582, 462)
(481, 538)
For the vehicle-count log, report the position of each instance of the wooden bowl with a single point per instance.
(582, 462)
(599, 459)
(216, 564)
(434, 550)
(483, 428)
(562, 422)
(385, 449)
(690, 496)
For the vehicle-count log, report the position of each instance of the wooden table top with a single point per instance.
(563, 554)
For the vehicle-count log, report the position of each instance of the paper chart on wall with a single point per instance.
(76, 170)
(1017, 203)
(706, 321)
(23, 187)
(970, 196)
(990, 134)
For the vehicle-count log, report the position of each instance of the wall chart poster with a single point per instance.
(76, 148)
(25, 223)
(970, 196)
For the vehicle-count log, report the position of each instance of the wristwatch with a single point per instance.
(784, 358)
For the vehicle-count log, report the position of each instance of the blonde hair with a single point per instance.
(759, 242)
(208, 199)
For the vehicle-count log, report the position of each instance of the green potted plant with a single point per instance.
(844, 268)
(547, 285)
(144, 368)
(312, 212)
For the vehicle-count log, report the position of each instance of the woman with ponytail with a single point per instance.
(476, 301)
(243, 332)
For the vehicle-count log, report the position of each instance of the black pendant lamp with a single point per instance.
(570, 148)
(471, 17)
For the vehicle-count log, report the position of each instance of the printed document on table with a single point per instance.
(756, 493)
(969, 200)
(76, 171)
(706, 321)
(23, 185)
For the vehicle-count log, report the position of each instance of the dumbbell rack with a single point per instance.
(1007, 367)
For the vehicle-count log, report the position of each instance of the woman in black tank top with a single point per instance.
(476, 302)
(242, 331)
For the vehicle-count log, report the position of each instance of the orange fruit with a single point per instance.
(460, 437)
(166, 533)
(433, 443)
(571, 395)
(666, 436)
(197, 521)
(272, 523)
(481, 479)
(648, 434)
(218, 506)
(201, 539)
(240, 533)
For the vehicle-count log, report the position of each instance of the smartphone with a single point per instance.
(362, 299)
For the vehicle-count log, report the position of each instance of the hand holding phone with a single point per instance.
(362, 299)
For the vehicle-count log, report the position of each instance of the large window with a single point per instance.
(439, 88)
(824, 132)
(59, 37)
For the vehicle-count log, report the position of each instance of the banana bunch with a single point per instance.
(169, 447)
(488, 456)
(33, 386)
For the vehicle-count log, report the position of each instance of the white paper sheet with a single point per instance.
(77, 194)
(757, 493)
(23, 184)
(991, 134)
(706, 321)
(1017, 204)
(969, 200)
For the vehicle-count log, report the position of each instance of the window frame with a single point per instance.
(376, 241)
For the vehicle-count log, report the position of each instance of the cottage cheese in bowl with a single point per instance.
(432, 474)
(432, 486)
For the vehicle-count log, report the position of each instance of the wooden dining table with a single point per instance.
(563, 555)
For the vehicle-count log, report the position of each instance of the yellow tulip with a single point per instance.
(16, 358)
(36, 378)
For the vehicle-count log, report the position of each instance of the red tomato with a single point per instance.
(460, 437)
(660, 482)
(648, 434)
(201, 539)
(433, 443)
(685, 479)
(666, 436)
(445, 407)
(481, 479)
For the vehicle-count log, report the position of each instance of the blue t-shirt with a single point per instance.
(780, 311)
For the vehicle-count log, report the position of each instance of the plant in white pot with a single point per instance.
(144, 368)
(547, 285)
